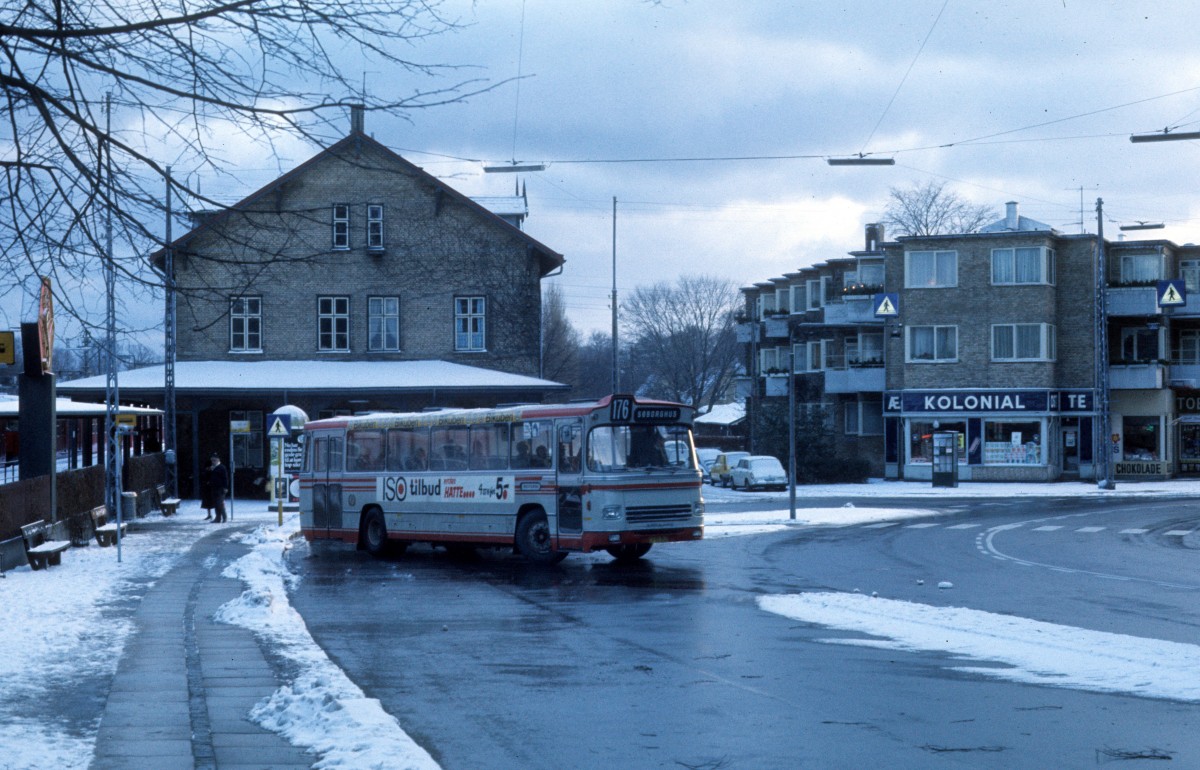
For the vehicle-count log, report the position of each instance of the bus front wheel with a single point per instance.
(375, 537)
(534, 539)
(627, 553)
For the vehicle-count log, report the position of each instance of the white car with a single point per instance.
(758, 472)
(706, 457)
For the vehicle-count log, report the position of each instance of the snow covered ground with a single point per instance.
(58, 623)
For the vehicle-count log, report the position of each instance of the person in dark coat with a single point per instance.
(206, 496)
(218, 481)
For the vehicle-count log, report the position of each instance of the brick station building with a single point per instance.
(355, 282)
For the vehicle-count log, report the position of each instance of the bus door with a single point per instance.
(569, 448)
(327, 452)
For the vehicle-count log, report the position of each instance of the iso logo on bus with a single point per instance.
(395, 489)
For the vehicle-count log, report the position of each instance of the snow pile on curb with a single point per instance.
(321, 709)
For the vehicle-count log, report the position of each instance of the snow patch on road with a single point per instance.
(320, 709)
(1038, 653)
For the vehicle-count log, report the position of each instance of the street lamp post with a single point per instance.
(1103, 460)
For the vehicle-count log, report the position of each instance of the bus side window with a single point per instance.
(336, 451)
(489, 447)
(531, 444)
(570, 447)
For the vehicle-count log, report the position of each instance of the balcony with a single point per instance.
(853, 309)
(776, 326)
(1184, 375)
(1136, 376)
(855, 379)
(776, 385)
(1133, 301)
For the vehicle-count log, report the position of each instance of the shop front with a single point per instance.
(1142, 445)
(1187, 411)
(1002, 435)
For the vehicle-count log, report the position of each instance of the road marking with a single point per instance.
(1134, 531)
(1179, 532)
(1047, 528)
(965, 526)
(1036, 652)
(922, 525)
(881, 525)
(1091, 529)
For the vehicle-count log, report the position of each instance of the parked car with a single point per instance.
(706, 456)
(723, 465)
(758, 472)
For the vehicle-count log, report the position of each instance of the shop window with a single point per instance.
(1013, 443)
(1189, 447)
(920, 440)
(1139, 439)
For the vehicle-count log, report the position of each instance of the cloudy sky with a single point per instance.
(1030, 101)
(710, 123)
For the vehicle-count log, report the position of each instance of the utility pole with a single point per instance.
(169, 438)
(1103, 459)
(112, 439)
(616, 368)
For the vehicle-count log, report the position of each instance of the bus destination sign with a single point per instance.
(656, 414)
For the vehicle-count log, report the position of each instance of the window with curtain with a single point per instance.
(1024, 265)
(931, 269)
(1140, 268)
(932, 343)
(1023, 342)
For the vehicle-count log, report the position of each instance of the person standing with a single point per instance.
(206, 495)
(218, 480)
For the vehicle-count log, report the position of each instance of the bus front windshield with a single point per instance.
(623, 447)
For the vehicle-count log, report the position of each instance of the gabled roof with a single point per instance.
(549, 259)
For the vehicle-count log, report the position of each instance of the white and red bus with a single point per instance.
(619, 474)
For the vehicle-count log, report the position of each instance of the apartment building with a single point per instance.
(993, 337)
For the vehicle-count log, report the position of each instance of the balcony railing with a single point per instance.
(1145, 375)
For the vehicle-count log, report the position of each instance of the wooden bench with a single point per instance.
(106, 534)
(42, 552)
(168, 505)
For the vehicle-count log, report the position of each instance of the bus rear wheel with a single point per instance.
(628, 553)
(375, 537)
(535, 541)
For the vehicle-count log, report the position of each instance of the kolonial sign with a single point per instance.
(913, 401)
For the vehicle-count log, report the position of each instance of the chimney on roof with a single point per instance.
(356, 118)
(1011, 220)
(874, 236)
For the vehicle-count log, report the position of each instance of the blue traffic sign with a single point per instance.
(886, 305)
(1172, 293)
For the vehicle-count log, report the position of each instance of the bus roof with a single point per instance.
(511, 413)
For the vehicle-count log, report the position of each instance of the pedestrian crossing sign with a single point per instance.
(1172, 293)
(887, 305)
(281, 426)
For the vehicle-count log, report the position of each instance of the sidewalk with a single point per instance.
(186, 684)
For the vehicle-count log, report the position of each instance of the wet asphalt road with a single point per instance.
(489, 662)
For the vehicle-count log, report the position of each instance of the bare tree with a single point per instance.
(561, 341)
(100, 97)
(930, 209)
(685, 335)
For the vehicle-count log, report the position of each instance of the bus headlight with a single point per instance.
(698, 508)
(613, 512)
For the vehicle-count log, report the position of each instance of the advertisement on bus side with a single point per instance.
(474, 489)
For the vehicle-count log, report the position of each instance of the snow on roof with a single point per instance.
(317, 375)
(504, 205)
(65, 407)
(723, 414)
